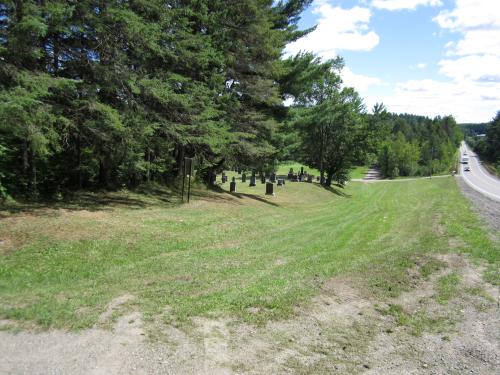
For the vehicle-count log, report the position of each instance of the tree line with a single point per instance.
(488, 145)
(105, 94)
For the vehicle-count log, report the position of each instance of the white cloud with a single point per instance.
(466, 101)
(421, 65)
(404, 4)
(360, 82)
(485, 41)
(471, 65)
(470, 14)
(478, 68)
(337, 29)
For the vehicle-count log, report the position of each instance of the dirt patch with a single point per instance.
(113, 306)
(342, 330)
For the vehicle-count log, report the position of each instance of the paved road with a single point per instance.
(478, 177)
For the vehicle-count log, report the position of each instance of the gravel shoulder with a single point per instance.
(487, 208)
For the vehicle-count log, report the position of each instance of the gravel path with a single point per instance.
(487, 208)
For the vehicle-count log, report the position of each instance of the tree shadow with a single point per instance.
(336, 190)
(258, 198)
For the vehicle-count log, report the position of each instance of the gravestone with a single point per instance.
(243, 177)
(238, 170)
(317, 178)
(269, 188)
(301, 178)
(301, 170)
(224, 178)
(280, 182)
(252, 180)
(273, 177)
(263, 178)
(232, 186)
(212, 178)
(295, 178)
(253, 172)
(310, 178)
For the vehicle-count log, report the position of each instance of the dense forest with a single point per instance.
(488, 146)
(106, 94)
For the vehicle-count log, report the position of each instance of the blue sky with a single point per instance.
(428, 57)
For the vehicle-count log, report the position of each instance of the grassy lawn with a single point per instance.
(284, 168)
(356, 172)
(359, 172)
(226, 254)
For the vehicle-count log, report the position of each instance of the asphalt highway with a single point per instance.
(478, 177)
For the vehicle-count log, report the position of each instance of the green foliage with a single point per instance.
(413, 145)
(102, 94)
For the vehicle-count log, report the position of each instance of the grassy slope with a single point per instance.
(224, 254)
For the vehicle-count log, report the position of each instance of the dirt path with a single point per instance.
(342, 331)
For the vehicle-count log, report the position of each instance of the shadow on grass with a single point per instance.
(335, 190)
(258, 198)
(139, 198)
(93, 201)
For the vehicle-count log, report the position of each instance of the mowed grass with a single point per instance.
(246, 255)
(284, 168)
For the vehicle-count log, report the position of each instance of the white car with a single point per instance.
(467, 169)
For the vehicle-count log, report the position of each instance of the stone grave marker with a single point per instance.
(273, 177)
(269, 188)
(252, 180)
(243, 177)
(310, 178)
(263, 178)
(232, 186)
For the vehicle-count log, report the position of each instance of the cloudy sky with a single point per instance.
(428, 57)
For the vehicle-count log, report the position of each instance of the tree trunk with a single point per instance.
(103, 172)
(148, 165)
(180, 159)
(329, 178)
(79, 161)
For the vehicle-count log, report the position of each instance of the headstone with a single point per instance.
(317, 178)
(243, 177)
(301, 177)
(310, 178)
(269, 188)
(252, 180)
(295, 178)
(253, 172)
(232, 186)
(263, 178)
(213, 178)
(301, 170)
(273, 177)
(280, 182)
(238, 170)
(224, 178)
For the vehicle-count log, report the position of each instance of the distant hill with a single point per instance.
(474, 129)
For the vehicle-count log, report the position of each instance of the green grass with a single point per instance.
(447, 288)
(359, 172)
(283, 168)
(224, 254)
